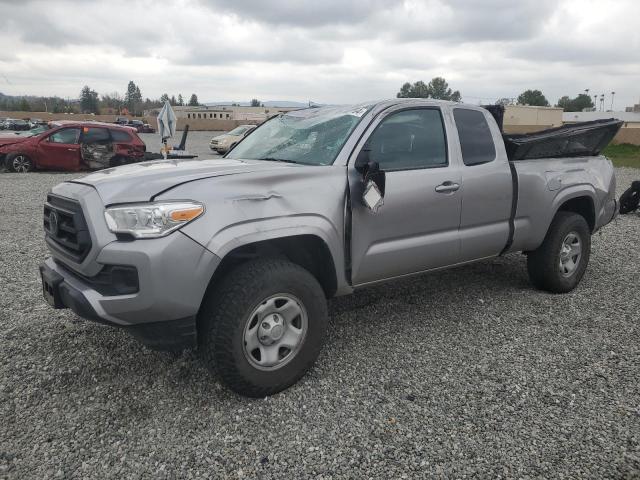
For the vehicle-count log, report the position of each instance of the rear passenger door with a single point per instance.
(487, 185)
(417, 227)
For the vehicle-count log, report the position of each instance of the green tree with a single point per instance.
(133, 98)
(164, 98)
(437, 88)
(180, 100)
(577, 104)
(88, 100)
(533, 97)
(193, 101)
(173, 101)
(256, 103)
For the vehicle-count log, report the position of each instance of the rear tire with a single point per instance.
(256, 345)
(558, 265)
(18, 163)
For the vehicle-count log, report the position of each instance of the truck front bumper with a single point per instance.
(172, 273)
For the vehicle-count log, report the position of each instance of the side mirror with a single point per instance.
(373, 178)
(362, 160)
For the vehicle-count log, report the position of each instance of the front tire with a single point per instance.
(558, 265)
(19, 163)
(262, 327)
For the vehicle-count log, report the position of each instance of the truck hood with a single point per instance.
(140, 182)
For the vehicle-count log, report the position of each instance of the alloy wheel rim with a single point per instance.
(275, 332)
(21, 164)
(570, 254)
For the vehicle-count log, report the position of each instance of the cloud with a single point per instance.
(327, 51)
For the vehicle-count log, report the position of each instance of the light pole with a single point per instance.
(612, 94)
(595, 102)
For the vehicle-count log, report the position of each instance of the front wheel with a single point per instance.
(263, 327)
(558, 265)
(19, 163)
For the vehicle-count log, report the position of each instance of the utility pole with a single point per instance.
(612, 94)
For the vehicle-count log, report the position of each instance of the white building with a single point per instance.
(630, 119)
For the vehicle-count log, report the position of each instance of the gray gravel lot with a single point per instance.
(463, 373)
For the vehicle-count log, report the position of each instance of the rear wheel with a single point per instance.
(560, 262)
(19, 163)
(262, 328)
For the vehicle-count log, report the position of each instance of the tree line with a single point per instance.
(438, 88)
(131, 103)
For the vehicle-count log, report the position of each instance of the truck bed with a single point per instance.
(577, 140)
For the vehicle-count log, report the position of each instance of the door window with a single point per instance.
(92, 135)
(409, 139)
(67, 136)
(475, 136)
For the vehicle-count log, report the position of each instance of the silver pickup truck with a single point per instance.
(238, 255)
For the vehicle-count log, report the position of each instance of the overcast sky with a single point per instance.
(328, 51)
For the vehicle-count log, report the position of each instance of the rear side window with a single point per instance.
(95, 135)
(409, 139)
(475, 137)
(120, 136)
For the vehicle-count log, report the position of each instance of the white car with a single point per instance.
(225, 142)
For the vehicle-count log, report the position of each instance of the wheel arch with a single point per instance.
(306, 250)
(11, 155)
(581, 203)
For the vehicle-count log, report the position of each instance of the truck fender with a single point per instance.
(260, 230)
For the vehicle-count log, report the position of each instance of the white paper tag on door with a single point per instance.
(372, 197)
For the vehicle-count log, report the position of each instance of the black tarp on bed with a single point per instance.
(580, 139)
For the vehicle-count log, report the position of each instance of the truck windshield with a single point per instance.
(312, 136)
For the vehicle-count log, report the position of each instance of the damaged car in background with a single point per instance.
(72, 146)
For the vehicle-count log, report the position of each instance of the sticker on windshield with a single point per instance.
(358, 112)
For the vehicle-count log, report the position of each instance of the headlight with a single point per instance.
(151, 220)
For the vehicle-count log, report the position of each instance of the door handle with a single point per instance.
(71, 149)
(447, 187)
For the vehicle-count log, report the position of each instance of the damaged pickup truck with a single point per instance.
(237, 256)
(72, 146)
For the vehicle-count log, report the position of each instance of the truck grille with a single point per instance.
(65, 228)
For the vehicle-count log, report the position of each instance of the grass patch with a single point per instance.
(623, 155)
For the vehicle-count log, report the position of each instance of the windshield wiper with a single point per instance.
(283, 160)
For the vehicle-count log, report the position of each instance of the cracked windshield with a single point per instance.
(313, 136)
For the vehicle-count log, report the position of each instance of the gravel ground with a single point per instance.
(463, 373)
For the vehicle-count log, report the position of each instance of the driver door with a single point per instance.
(417, 227)
(61, 150)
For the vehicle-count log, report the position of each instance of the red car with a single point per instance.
(72, 146)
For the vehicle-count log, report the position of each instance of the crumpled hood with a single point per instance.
(140, 182)
(11, 139)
